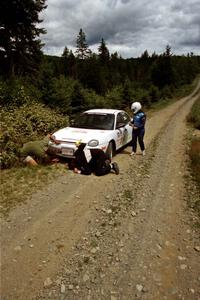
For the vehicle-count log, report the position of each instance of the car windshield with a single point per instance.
(95, 121)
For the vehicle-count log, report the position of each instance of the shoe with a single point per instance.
(132, 153)
(143, 153)
(115, 168)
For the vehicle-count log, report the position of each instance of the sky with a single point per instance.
(129, 27)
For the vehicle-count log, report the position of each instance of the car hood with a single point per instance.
(74, 134)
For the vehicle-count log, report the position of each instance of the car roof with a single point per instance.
(103, 111)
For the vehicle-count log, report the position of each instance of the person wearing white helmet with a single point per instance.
(138, 124)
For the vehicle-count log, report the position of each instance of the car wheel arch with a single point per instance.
(111, 149)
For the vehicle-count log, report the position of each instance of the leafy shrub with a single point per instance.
(60, 93)
(28, 122)
(113, 98)
(154, 94)
(195, 158)
(166, 92)
(93, 100)
(15, 93)
(141, 95)
(194, 115)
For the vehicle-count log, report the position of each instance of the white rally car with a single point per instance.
(106, 129)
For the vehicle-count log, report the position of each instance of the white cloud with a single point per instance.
(128, 26)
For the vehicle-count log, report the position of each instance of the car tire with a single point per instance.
(110, 150)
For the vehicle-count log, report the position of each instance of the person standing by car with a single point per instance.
(89, 161)
(138, 124)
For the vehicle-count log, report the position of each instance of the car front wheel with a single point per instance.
(110, 150)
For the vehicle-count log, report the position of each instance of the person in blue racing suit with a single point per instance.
(138, 124)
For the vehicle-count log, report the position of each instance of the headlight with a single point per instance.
(53, 140)
(93, 143)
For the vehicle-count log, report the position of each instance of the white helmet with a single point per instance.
(136, 106)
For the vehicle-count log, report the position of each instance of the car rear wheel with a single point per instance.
(110, 150)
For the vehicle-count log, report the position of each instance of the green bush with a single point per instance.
(60, 93)
(194, 116)
(20, 125)
(93, 100)
(113, 98)
(195, 158)
(15, 93)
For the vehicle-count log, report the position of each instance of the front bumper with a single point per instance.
(59, 150)
(68, 150)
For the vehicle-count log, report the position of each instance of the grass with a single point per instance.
(178, 94)
(17, 184)
(194, 155)
(193, 180)
(194, 116)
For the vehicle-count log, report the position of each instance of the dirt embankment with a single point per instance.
(115, 237)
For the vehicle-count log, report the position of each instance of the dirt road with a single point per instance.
(115, 237)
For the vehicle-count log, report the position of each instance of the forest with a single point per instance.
(40, 93)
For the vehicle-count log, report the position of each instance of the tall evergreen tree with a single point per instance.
(77, 99)
(104, 54)
(20, 47)
(145, 55)
(82, 50)
(65, 53)
(162, 71)
(168, 52)
(68, 62)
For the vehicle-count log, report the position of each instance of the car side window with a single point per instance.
(120, 120)
(126, 118)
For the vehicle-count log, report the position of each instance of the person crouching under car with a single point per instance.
(35, 152)
(89, 161)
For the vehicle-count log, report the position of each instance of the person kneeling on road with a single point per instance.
(95, 161)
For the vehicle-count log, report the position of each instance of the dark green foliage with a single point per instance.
(77, 100)
(20, 48)
(126, 95)
(93, 100)
(61, 93)
(20, 125)
(104, 54)
(113, 98)
(17, 92)
(154, 94)
(68, 63)
(194, 116)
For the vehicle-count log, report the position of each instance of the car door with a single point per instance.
(123, 129)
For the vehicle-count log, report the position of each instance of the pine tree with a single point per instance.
(167, 51)
(20, 47)
(77, 99)
(104, 54)
(65, 53)
(68, 62)
(82, 50)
